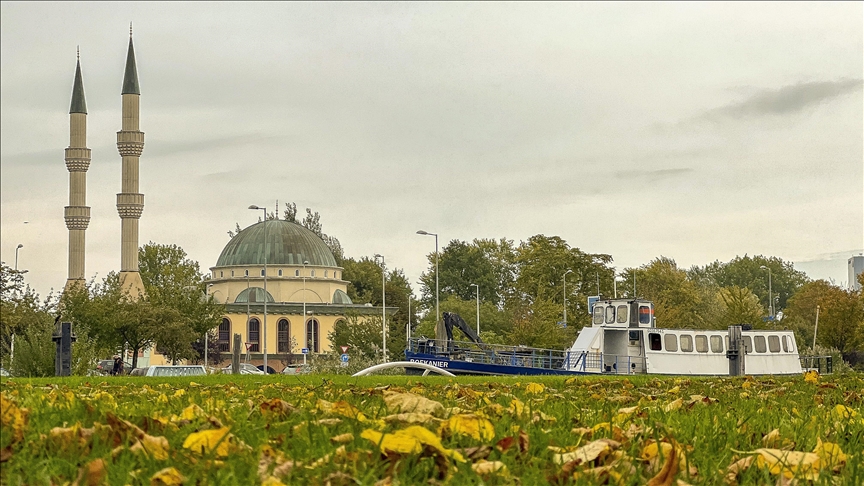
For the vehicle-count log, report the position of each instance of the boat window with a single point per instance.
(686, 343)
(716, 344)
(748, 344)
(610, 314)
(759, 341)
(671, 342)
(701, 343)
(598, 314)
(785, 344)
(622, 314)
(634, 335)
(654, 342)
(645, 313)
(774, 344)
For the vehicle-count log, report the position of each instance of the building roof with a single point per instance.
(287, 244)
(79, 104)
(130, 79)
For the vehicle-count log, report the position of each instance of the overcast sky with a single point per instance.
(697, 131)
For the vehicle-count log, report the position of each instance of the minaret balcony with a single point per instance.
(130, 143)
(77, 159)
(130, 205)
(77, 217)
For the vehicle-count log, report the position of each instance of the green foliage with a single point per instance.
(536, 326)
(740, 306)
(363, 335)
(841, 316)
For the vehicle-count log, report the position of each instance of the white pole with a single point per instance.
(305, 325)
(383, 308)
(265, 290)
(437, 308)
(408, 326)
(815, 329)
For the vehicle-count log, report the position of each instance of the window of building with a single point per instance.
(774, 344)
(283, 336)
(598, 314)
(645, 314)
(759, 341)
(622, 314)
(686, 343)
(325, 273)
(654, 341)
(313, 335)
(313, 273)
(280, 272)
(220, 273)
(254, 335)
(296, 273)
(610, 314)
(701, 343)
(225, 335)
(247, 272)
(716, 344)
(748, 344)
(232, 273)
(335, 274)
(671, 342)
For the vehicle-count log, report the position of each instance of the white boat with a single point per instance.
(623, 338)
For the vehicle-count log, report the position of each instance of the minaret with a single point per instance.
(130, 203)
(77, 213)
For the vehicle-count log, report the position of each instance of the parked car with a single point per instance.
(297, 370)
(139, 371)
(245, 369)
(179, 370)
(105, 366)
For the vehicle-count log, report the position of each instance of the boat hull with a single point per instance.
(460, 367)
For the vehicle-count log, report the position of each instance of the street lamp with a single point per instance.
(477, 288)
(383, 307)
(565, 295)
(425, 233)
(265, 282)
(770, 296)
(16, 255)
(305, 326)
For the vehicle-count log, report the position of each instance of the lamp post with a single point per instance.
(477, 289)
(770, 296)
(16, 255)
(265, 282)
(305, 326)
(425, 233)
(565, 295)
(383, 307)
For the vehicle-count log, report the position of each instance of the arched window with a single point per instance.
(225, 335)
(247, 273)
(296, 273)
(313, 335)
(232, 273)
(254, 336)
(280, 272)
(313, 273)
(220, 273)
(325, 273)
(283, 336)
(262, 272)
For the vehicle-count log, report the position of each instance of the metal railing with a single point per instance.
(822, 364)
(523, 356)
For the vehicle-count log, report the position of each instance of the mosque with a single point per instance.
(282, 288)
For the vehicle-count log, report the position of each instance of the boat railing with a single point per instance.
(595, 362)
(822, 364)
(493, 354)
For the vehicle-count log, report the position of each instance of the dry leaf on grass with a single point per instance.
(169, 476)
(411, 403)
(587, 453)
(218, 441)
(489, 468)
(14, 417)
(412, 418)
(92, 474)
(409, 441)
(468, 424)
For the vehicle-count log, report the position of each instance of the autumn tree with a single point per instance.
(841, 316)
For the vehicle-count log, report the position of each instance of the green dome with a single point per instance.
(287, 244)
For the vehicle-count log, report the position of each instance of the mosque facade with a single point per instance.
(282, 288)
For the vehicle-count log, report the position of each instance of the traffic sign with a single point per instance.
(248, 346)
(344, 358)
(305, 350)
(344, 349)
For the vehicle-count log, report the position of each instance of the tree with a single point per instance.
(740, 306)
(747, 272)
(536, 326)
(363, 335)
(841, 316)
(679, 301)
(495, 323)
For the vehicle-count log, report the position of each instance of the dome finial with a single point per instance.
(78, 52)
(130, 30)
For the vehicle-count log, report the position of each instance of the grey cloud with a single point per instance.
(786, 99)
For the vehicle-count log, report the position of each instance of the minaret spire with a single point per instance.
(77, 213)
(130, 203)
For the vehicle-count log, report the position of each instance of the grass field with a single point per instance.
(432, 430)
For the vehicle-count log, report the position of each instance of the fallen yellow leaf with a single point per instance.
(409, 441)
(219, 441)
(811, 376)
(535, 388)
(470, 425)
(830, 455)
(169, 476)
(588, 452)
(153, 446)
(411, 403)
